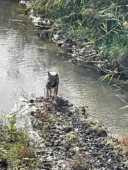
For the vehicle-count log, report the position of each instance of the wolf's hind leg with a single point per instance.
(55, 93)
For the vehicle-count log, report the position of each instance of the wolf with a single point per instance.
(52, 83)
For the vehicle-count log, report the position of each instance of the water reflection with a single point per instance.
(25, 61)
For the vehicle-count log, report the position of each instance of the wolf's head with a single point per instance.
(53, 79)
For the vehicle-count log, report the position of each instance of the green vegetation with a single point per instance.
(100, 23)
(15, 150)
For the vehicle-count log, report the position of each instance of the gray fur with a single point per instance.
(52, 83)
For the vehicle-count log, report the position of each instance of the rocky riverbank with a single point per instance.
(66, 138)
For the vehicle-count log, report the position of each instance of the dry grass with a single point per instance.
(26, 152)
(80, 162)
(124, 142)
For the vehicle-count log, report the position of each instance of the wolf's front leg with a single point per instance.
(48, 93)
(55, 93)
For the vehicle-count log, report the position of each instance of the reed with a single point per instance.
(100, 23)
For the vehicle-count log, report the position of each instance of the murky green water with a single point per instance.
(25, 61)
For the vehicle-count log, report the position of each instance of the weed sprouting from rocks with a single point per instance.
(80, 161)
(12, 128)
(69, 139)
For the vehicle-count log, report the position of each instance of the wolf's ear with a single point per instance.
(49, 75)
(56, 75)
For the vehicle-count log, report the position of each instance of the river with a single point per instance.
(25, 60)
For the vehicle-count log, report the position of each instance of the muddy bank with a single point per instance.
(65, 137)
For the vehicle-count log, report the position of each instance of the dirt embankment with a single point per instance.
(66, 138)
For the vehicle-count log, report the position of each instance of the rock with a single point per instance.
(68, 129)
(102, 133)
(31, 101)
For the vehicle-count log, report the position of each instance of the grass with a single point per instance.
(98, 23)
(124, 146)
(124, 142)
(15, 149)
